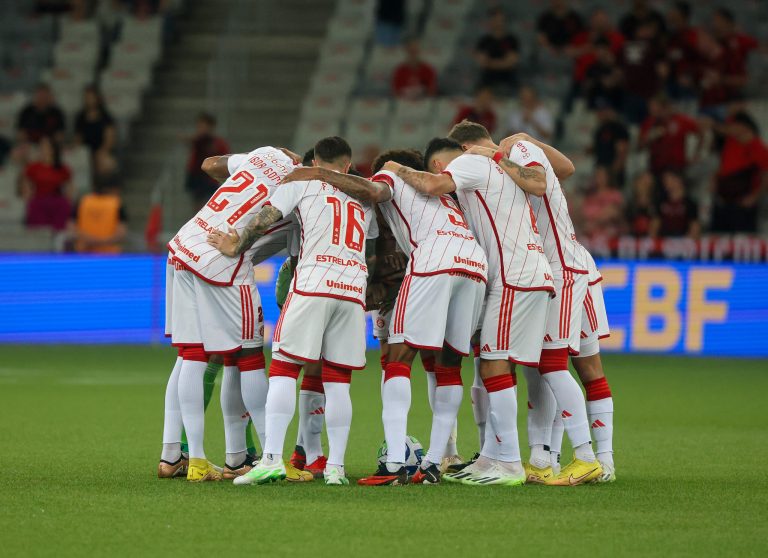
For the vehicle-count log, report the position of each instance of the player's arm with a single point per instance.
(216, 167)
(423, 182)
(355, 186)
(561, 164)
(295, 157)
(232, 244)
(530, 179)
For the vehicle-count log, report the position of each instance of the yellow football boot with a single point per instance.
(292, 474)
(202, 470)
(535, 475)
(577, 472)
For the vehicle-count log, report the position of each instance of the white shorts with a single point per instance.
(436, 310)
(564, 319)
(222, 319)
(168, 296)
(313, 328)
(594, 321)
(381, 324)
(513, 324)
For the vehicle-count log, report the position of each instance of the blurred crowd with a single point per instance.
(652, 81)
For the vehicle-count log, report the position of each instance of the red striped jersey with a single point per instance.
(432, 230)
(555, 226)
(334, 228)
(252, 179)
(502, 220)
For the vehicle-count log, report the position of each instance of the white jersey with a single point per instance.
(551, 210)
(252, 180)
(334, 228)
(285, 239)
(502, 220)
(432, 230)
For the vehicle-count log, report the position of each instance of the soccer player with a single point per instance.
(324, 314)
(437, 308)
(519, 289)
(216, 307)
(568, 260)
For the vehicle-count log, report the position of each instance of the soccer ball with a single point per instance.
(413, 454)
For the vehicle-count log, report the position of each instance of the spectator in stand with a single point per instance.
(414, 78)
(678, 214)
(664, 133)
(41, 118)
(205, 143)
(498, 54)
(46, 187)
(610, 145)
(94, 126)
(644, 69)
(532, 116)
(97, 223)
(741, 178)
(736, 49)
(603, 207)
(682, 52)
(641, 213)
(390, 22)
(481, 110)
(584, 47)
(603, 79)
(641, 14)
(558, 25)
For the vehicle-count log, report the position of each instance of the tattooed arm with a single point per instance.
(355, 186)
(423, 182)
(530, 179)
(232, 244)
(561, 164)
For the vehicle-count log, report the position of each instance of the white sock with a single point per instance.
(254, 387)
(172, 424)
(446, 406)
(311, 417)
(542, 407)
(396, 402)
(280, 407)
(191, 401)
(540, 456)
(503, 417)
(572, 408)
(601, 423)
(479, 403)
(338, 419)
(556, 441)
(235, 416)
(451, 448)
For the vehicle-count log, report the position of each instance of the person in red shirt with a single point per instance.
(205, 143)
(582, 48)
(46, 187)
(643, 67)
(741, 177)
(481, 111)
(414, 78)
(664, 133)
(678, 214)
(682, 52)
(736, 47)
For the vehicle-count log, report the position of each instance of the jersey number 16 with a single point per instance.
(353, 229)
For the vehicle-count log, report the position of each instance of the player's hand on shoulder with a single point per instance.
(391, 166)
(480, 150)
(301, 174)
(508, 143)
(226, 243)
(295, 157)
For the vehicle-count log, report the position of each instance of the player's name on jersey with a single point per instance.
(277, 173)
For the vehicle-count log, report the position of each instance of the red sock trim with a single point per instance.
(383, 360)
(180, 351)
(553, 360)
(194, 353)
(498, 383)
(429, 364)
(336, 374)
(397, 369)
(597, 389)
(448, 375)
(312, 383)
(230, 360)
(282, 368)
(253, 362)
(476, 350)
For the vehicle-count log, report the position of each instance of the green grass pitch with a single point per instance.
(80, 439)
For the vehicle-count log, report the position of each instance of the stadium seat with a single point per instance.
(133, 53)
(408, 134)
(68, 81)
(85, 32)
(351, 27)
(78, 159)
(323, 107)
(123, 106)
(369, 109)
(442, 30)
(341, 53)
(364, 134)
(12, 208)
(379, 68)
(408, 110)
(309, 131)
(146, 30)
(69, 53)
(445, 112)
(334, 82)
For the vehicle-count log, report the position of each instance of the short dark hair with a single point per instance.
(332, 148)
(308, 156)
(684, 8)
(408, 157)
(466, 131)
(438, 145)
(745, 119)
(725, 13)
(208, 118)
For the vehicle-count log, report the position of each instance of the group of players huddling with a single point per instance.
(489, 263)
